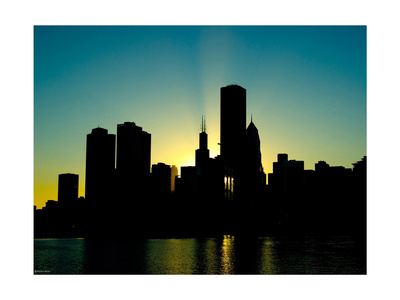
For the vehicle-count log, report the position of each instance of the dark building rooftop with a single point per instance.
(235, 85)
(99, 130)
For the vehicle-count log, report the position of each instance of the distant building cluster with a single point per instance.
(127, 196)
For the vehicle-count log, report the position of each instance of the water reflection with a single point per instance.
(172, 256)
(207, 256)
(228, 255)
(59, 256)
(267, 254)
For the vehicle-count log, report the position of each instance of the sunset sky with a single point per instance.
(306, 91)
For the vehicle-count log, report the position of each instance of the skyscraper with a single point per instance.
(100, 163)
(203, 153)
(133, 150)
(161, 178)
(233, 124)
(255, 176)
(233, 138)
(133, 159)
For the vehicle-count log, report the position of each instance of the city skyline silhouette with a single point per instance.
(306, 92)
(122, 194)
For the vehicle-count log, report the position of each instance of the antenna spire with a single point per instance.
(203, 124)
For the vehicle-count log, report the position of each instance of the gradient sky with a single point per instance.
(306, 91)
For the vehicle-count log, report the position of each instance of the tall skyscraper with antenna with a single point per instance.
(203, 153)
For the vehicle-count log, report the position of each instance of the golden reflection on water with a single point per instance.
(228, 255)
(173, 256)
(267, 263)
(192, 256)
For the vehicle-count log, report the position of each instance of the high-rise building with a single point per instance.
(233, 124)
(203, 153)
(253, 152)
(100, 163)
(133, 161)
(233, 139)
(133, 150)
(255, 176)
(161, 178)
(187, 183)
(67, 188)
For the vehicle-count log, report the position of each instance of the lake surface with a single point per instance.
(225, 255)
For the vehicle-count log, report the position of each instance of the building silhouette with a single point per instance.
(133, 150)
(287, 176)
(161, 179)
(233, 138)
(203, 182)
(360, 170)
(255, 178)
(187, 185)
(67, 188)
(203, 153)
(100, 178)
(359, 196)
(233, 124)
(222, 195)
(100, 164)
(133, 159)
(51, 207)
(47, 220)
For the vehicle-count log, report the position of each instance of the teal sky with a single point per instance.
(306, 91)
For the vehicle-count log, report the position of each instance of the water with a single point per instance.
(225, 255)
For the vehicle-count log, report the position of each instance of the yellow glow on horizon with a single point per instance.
(43, 193)
(188, 159)
(214, 152)
(48, 190)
